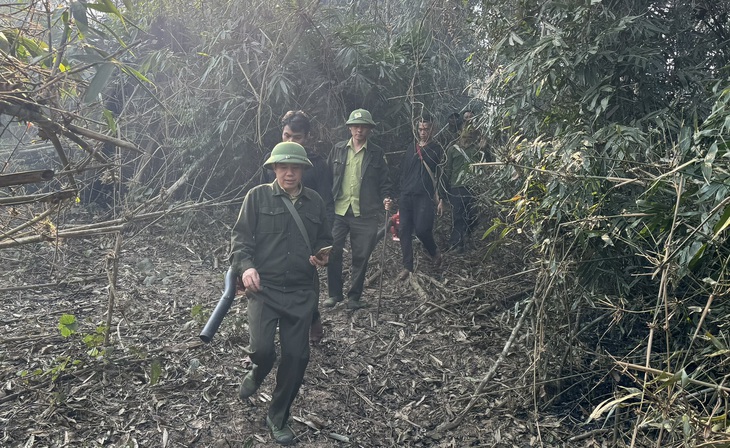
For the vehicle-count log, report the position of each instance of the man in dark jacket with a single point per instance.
(419, 195)
(296, 127)
(272, 244)
(361, 188)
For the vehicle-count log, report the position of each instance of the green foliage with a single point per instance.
(196, 312)
(95, 341)
(226, 77)
(67, 325)
(613, 120)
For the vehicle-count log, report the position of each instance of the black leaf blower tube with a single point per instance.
(224, 304)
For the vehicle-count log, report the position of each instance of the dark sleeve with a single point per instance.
(267, 176)
(243, 243)
(402, 169)
(437, 169)
(324, 232)
(386, 185)
(325, 190)
(331, 171)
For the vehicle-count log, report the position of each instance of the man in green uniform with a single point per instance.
(361, 186)
(296, 127)
(457, 171)
(279, 228)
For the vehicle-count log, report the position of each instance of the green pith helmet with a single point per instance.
(360, 116)
(288, 152)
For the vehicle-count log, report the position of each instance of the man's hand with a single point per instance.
(440, 207)
(387, 203)
(322, 260)
(251, 280)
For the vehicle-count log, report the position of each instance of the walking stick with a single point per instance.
(382, 266)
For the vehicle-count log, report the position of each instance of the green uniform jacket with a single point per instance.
(267, 238)
(458, 159)
(375, 184)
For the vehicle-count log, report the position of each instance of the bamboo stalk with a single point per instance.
(26, 224)
(54, 197)
(103, 138)
(61, 234)
(101, 228)
(658, 372)
(25, 177)
(62, 156)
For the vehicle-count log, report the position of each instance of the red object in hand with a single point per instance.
(395, 226)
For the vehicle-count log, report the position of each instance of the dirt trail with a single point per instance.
(372, 384)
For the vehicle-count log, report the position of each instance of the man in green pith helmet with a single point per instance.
(361, 188)
(279, 228)
(296, 127)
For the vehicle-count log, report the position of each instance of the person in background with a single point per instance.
(419, 195)
(273, 254)
(296, 127)
(457, 171)
(361, 188)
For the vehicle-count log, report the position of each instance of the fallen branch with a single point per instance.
(25, 177)
(103, 138)
(28, 223)
(446, 426)
(54, 197)
(99, 228)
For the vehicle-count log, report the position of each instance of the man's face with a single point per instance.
(424, 131)
(468, 116)
(289, 176)
(360, 132)
(287, 135)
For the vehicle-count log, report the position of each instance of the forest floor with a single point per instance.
(385, 381)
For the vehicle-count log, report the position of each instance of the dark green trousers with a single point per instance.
(363, 232)
(292, 312)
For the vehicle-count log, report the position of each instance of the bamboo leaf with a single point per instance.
(99, 82)
(78, 12)
(610, 404)
(723, 223)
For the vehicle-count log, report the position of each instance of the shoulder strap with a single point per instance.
(432, 176)
(298, 220)
(433, 180)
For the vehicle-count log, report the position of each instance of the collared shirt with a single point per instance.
(267, 238)
(350, 193)
(318, 178)
(295, 197)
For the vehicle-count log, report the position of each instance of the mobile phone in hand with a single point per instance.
(323, 251)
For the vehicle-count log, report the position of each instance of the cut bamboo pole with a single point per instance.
(54, 197)
(25, 177)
